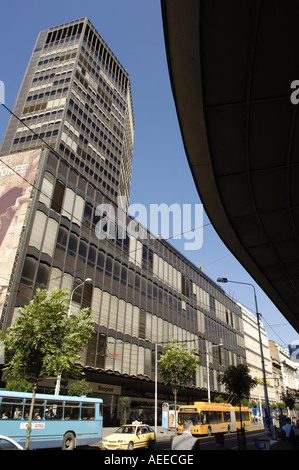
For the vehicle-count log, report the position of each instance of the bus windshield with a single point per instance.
(194, 417)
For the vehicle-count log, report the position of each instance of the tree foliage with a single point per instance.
(44, 340)
(177, 365)
(80, 388)
(289, 398)
(238, 381)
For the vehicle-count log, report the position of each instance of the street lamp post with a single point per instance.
(208, 367)
(58, 381)
(225, 280)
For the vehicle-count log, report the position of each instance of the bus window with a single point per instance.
(38, 409)
(226, 416)
(211, 417)
(54, 409)
(88, 411)
(72, 410)
(11, 408)
(245, 416)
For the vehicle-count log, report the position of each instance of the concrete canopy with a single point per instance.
(231, 66)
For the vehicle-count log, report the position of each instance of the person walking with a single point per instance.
(219, 438)
(282, 442)
(185, 441)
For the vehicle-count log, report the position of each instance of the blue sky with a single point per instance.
(133, 30)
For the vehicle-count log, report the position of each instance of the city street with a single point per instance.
(206, 443)
(230, 440)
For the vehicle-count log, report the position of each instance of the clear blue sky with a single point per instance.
(134, 32)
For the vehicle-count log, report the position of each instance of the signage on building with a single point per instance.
(294, 351)
(17, 175)
(110, 389)
(165, 415)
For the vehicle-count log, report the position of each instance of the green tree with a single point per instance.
(18, 385)
(80, 388)
(44, 340)
(219, 399)
(238, 382)
(289, 398)
(177, 366)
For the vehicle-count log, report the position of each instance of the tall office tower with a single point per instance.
(76, 96)
(76, 158)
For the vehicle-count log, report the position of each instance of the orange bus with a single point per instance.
(209, 418)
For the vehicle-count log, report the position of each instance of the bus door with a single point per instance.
(233, 419)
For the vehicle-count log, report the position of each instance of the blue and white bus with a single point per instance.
(57, 420)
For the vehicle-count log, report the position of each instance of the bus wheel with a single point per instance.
(209, 431)
(69, 441)
(131, 445)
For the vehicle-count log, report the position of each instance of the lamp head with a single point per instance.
(222, 279)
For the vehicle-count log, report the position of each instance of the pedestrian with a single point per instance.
(288, 426)
(219, 438)
(185, 441)
(281, 443)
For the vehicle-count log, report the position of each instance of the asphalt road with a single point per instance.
(206, 443)
(230, 441)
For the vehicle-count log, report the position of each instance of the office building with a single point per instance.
(253, 356)
(70, 167)
(76, 97)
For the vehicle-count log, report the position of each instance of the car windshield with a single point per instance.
(126, 430)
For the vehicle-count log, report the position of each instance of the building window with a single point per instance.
(29, 269)
(42, 276)
(72, 246)
(58, 196)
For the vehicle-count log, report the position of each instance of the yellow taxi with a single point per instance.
(129, 437)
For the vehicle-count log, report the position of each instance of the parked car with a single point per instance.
(129, 437)
(6, 443)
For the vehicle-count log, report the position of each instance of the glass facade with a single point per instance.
(76, 97)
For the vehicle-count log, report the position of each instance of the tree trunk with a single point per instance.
(175, 392)
(30, 416)
(241, 416)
